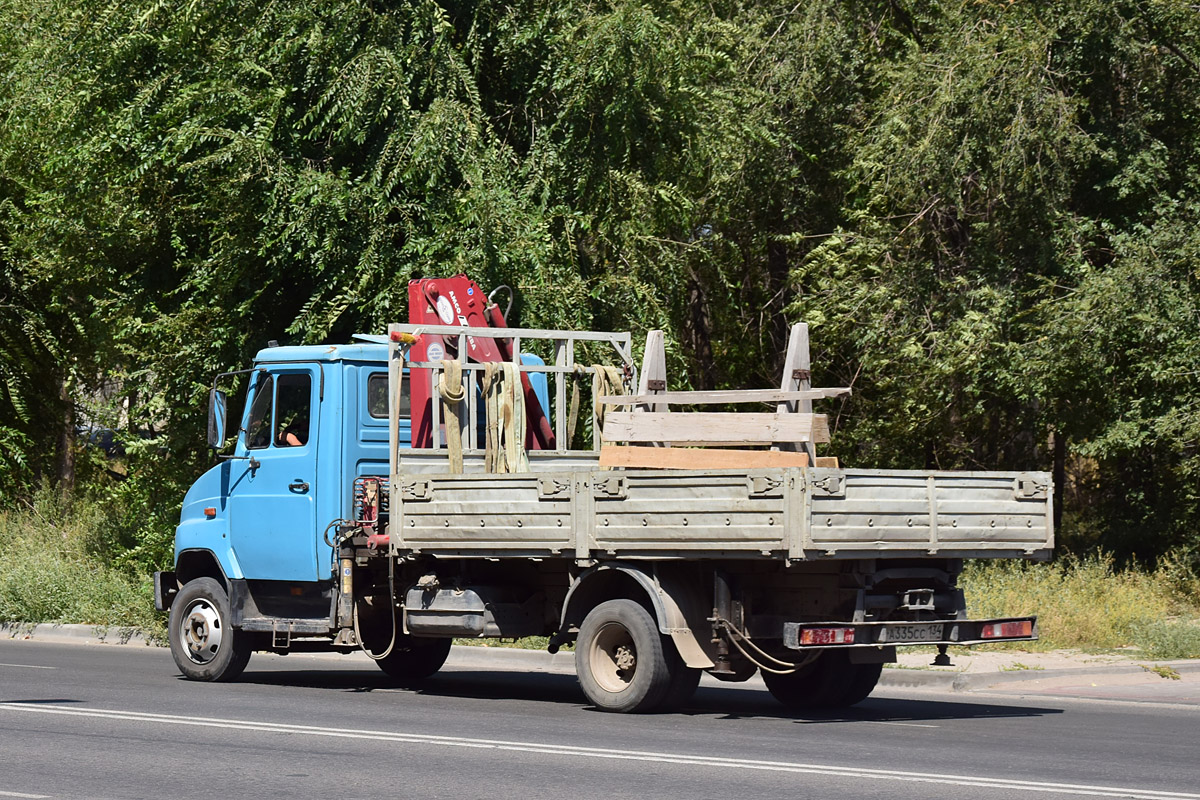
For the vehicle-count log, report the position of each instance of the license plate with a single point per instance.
(927, 632)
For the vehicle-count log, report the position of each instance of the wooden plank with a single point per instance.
(653, 380)
(654, 372)
(725, 396)
(797, 368)
(827, 462)
(707, 427)
(615, 455)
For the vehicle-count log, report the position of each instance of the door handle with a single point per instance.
(299, 486)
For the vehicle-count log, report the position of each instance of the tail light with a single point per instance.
(1008, 630)
(827, 636)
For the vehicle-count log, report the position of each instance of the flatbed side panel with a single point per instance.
(879, 510)
(616, 513)
(770, 513)
(526, 514)
(716, 511)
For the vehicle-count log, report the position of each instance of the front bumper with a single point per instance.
(165, 589)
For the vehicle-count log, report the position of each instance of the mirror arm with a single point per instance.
(254, 462)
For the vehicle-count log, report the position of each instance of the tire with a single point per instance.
(862, 682)
(203, 643)
(820, 684)
(414, 659)
(622, 662)
(683, 685)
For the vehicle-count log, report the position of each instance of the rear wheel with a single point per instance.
(623, 663)
(862, 682)
(204, 645)
(683, 685)
(414, 659)
(821, 683)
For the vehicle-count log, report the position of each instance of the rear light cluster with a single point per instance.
(827, 636)
(1008, 630)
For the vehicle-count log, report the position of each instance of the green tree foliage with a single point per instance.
(986, 211)
(1014, 268)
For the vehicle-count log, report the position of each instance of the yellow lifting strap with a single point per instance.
(505, 402)
(450, 387)
(606, 381)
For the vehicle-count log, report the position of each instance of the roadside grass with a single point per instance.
(524, 643)
(1084, 603)
(1168, 639)
(49, 572)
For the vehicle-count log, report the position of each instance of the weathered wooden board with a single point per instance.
(725, 396)
(706, 427)
(613, 455)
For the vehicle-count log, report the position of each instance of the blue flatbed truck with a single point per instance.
(324, 530)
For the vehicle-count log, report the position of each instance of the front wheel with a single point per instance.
(204, 645)
(623, 663)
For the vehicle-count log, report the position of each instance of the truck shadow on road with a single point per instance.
(715, 702)
(747, 703)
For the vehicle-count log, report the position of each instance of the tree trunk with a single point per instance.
(66, 439)
(1060, 474)
(699, 328)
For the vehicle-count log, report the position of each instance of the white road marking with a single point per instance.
(28, 666)
(890, 722)
(1083, 790)
(21, 794)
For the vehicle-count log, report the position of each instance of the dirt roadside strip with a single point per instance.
(973, 671)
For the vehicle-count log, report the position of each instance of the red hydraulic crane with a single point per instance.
(458, 300)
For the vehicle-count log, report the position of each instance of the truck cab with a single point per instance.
(314, 423)
(315, 419)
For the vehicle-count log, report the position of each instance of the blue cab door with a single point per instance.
(272, 499)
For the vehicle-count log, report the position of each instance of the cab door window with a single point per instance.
(279, 415)
(258, 426)
(292, 398)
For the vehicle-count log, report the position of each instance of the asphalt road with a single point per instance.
(118, 722)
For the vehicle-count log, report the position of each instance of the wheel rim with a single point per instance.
(613, 657)
(200, 631)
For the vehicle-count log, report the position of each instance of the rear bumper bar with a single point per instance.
(877, 634)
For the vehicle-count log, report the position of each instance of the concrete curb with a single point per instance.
(477, 657)
(562, 662)
(73, 634)
(977, 681)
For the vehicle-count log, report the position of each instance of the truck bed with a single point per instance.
(567, 508)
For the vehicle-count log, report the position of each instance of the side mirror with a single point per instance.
(217, 417)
